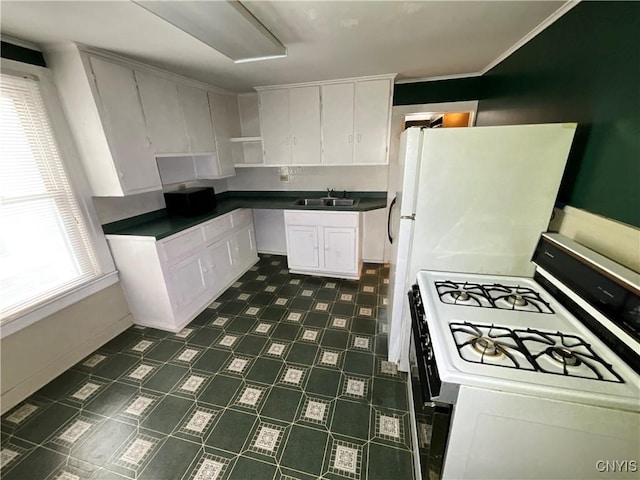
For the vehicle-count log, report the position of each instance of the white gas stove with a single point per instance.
(551, 363)
(508, 333)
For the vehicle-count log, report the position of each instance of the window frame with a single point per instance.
(81, 191)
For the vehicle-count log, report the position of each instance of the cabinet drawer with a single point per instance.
(326, 219)
(217, 227)
(178, 246)
(242, 217)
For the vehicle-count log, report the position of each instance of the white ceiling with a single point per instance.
(325, 40)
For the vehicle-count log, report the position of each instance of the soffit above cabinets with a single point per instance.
(324, 40)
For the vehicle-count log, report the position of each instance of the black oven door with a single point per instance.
(432, 420)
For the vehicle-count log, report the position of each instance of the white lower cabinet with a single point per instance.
(168, 282)
(324, 243)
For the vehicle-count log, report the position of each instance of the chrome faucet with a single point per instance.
(331, 193)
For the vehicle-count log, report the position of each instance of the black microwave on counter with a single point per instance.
(190, 202)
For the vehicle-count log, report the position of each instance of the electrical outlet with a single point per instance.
(284, 177)
(182, 186)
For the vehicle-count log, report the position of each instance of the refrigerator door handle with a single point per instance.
(393, 202)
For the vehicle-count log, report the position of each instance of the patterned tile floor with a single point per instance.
(284, 376)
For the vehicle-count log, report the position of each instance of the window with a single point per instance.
(45, 247)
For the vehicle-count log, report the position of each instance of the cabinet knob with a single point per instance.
(350, 138)
(359, 137)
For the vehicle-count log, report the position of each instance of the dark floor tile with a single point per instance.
(62, 385)
(167, 414)
(203, 318)
(251, 344)
(360, 363)
(343, 309)
(123, 341)
(220, 390)
(301, 303)
(37, 464)
(265, 370)
(46, 423)
(204, 337)
(327, 294)
(285, 331)
(111, 399)
(171, 461)
(240, 324)
(335, 339)
(382, 345)
(289, 290)
(102, 444)
(317, 319)
(282, 403)
(166, 377)
(301, 442)
(272, 313)
(367, 299)
(212, 360)
(248, 468)
(351, 418)
(231, 431)
(232, 308)
(363, 325)
(302, 353)
(349, 286)
(164, 350)
(115, 365)
(263, 299)
(323, 381)
(387, 462)
(390, 393)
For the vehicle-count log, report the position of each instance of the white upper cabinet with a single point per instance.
(129, 164)
(275, 127)
(341, 122)
(163, 113)
(304, 118)
(371, 132)
(337, 123)
(220, 118)
(197, 118)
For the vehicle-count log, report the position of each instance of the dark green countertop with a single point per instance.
(159, 224)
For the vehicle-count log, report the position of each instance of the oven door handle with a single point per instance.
(425, 388)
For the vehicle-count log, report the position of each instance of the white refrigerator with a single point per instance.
(471, 200)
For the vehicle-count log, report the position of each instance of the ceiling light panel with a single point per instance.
(226, 26)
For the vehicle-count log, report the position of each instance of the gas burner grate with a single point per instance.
(495, 295)
(564, 354)
(534, 350)
(489, 345)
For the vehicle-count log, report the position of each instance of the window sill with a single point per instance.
(57, 303)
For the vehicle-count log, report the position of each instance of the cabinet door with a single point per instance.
(303, 247)
(125, 128)
(188, 281)
(337, 123)
(340, 253)
(221, 261)
(246, 249)
(197, 118)
(218, 106)
(274, 125)
(163, 112)
(304, 110)
(371, 132)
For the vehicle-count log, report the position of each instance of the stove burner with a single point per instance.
(486, 346)
(517, 300)
(563, 356)
(460, 295)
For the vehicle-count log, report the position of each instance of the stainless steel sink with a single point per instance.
(327, 202)
(316, 202)
(342, 202)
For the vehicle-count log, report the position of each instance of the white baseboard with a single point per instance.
(273, 252)
(14, 396)
(373, 260)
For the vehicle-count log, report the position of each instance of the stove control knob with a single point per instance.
(427, 339)
(429, 353)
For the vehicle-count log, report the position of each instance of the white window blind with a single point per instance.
(45, 248)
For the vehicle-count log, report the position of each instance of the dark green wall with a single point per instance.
(583, 68)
